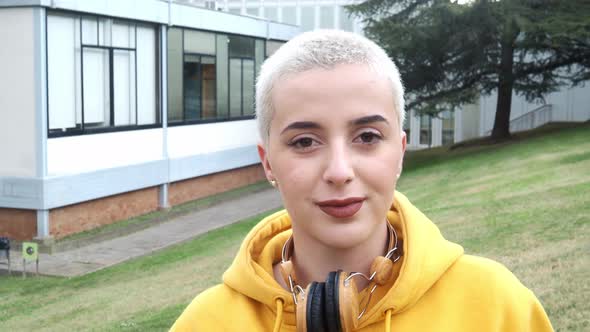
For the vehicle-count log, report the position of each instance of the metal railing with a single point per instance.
(530, 120)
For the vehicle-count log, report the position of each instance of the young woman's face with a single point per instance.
(335, 150)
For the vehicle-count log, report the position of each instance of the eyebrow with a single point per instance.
(368, 119)
(314, 125)
(301, 125)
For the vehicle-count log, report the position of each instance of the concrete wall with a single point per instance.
(159, 11)
(86, 153)
(212, 137)
(571, 105)
(17, 93)
(87, 214)
(467, 123)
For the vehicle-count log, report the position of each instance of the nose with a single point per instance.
(339, 169)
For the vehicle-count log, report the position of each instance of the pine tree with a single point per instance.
(450, 53)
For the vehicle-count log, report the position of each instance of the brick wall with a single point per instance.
(103, 211)
(18, 224)
(22, 224)
(195, 188)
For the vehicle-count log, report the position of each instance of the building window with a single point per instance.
(199, 75)
(448, 130)
(327, 17)
(211, 76)
(272, 46)
(346, 20)
(271, 13)
(241, 76)
(290, 15)
(92, 79)
(252, 11)
(199, 87)
(425, 129)
(307, 18)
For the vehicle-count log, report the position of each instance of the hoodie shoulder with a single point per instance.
(496, 293)
(221, 308)
(200, 315)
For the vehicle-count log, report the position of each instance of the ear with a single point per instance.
(265, 163)
(403, 152)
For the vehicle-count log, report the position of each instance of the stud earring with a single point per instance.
(273, 183)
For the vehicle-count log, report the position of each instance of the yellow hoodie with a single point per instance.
(436, 288)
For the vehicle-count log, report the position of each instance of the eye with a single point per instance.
(368, 137)
(303, 143)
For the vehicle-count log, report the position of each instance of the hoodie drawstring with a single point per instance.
(388, 320)
(279, 318)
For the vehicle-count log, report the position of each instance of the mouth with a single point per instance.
(341, 208)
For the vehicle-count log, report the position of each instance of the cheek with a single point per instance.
(381, 172)
(298, 174)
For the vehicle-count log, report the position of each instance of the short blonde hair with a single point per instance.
(322, 49)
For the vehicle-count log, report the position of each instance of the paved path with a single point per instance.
(97, 256)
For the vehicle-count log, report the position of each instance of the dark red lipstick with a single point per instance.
(341, 208)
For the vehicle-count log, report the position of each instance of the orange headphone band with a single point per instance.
(337, 298)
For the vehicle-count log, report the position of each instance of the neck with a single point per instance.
(313, 260)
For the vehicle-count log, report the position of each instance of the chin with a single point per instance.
(344, 235)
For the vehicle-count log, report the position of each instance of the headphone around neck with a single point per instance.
(333, 305)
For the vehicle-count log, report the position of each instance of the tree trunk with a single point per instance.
(501, 130)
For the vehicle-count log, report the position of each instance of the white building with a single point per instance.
(112, 109)
(423, 131)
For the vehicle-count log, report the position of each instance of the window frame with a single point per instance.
(227, 117)
(200, 55)
(448, 117)
(81, 129)
(429, 130)
(407, 128)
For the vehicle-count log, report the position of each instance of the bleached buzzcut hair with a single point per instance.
(322, 49)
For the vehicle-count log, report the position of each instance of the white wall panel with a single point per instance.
(146, 79)
(17, 93)
(78, 154)
(63, 77)
(186, 141)
(567, 105)
(124, 87)
(147, 10)
(157, 11)
(580, 103)
(96, 85)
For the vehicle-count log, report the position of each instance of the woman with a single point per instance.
(330, 109)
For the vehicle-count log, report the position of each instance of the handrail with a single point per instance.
(531, 119)
(538, 109)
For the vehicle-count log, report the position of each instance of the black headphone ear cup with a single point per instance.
(332, 302)
(315, 308)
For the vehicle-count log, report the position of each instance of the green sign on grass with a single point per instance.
(30, 251)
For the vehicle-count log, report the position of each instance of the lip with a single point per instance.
(341, 208)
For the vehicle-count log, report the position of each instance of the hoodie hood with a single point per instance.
(426, 257)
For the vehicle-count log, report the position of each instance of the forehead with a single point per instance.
(358, 75)
(336, 91)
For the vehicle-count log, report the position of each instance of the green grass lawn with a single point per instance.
(525, 203)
